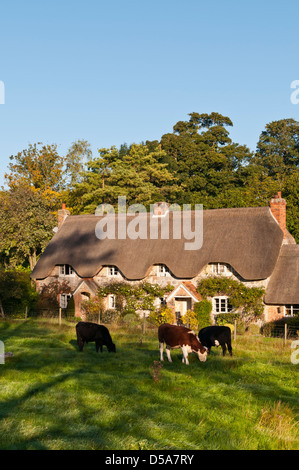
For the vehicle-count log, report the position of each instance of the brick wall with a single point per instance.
(278, 209)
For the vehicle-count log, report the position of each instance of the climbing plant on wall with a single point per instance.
(129, 298)
(248, 301)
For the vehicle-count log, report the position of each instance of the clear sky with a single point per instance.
(125, 71)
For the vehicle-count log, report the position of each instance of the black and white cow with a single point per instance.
(88, 332)
(180, 337)
(216, 336)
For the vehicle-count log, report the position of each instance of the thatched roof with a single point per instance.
(283, 286)
(249, 239)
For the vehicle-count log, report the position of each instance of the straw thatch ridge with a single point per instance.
(249, 239)
(283, 287)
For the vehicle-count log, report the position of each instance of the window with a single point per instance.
(163, 270)
(291, 310)
(64, 298)
(220, 269)
(66, 270)
(112, 271)
(221, 305)
(111, 301)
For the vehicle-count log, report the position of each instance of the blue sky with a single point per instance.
(127, 71)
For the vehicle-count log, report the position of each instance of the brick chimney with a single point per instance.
(278, 209)
(62, 215)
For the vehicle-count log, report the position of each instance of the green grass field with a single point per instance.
(53, 397)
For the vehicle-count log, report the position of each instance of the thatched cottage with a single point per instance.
(251, 245)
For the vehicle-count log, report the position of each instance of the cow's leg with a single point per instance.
(80, 343)
(223, 348)
(99, 346)
(161, 349)
(185, 355)
(168, 353)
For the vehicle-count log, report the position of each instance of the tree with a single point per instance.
(204, 158)
(75, 161)
(26, 224)
(16, 292)
(278, 149)
(136, 174)
(39, 167)
(49, 295)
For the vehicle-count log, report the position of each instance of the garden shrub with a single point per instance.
(110, 316)
(17, 293)
(190, 319)
(131, 321)
(203, 311)
(163, 315)
(276, 328)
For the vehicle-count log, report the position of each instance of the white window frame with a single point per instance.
(63, 268)
(220, 298)
(294, 309)
(63, 301)
(112, 271)
(111, 301)
(220, 269)
(162, 270)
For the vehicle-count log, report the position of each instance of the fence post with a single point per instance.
(143, 326)
(235, 330)
(285, 333)
(59, 315)
(26, 312)
(99, 317)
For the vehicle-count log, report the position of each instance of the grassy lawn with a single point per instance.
(53, 397)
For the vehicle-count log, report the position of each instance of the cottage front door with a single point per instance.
(181, 307)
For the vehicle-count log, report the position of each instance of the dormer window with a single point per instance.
(66, 270)
(221, 269)
(112, 271)
(162, 270)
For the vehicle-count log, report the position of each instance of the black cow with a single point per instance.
(215, 336)
(88, 332)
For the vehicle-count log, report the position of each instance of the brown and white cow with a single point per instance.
(180, 337)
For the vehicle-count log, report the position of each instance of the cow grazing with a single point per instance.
(88, 332)
(180, 337)
(215, 336)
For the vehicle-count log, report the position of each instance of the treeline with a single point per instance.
(197, 163)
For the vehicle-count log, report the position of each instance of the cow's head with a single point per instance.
(111, 347)
(198, 348)
(202, 353)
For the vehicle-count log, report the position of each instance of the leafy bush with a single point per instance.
(203, 312)
(163, 315)
(130, 298)
(70, 310)
(131, 321)
(16, 293)
(276, 328)
(228, 319)
(190, 319)
(110, 316)
(92, 307)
